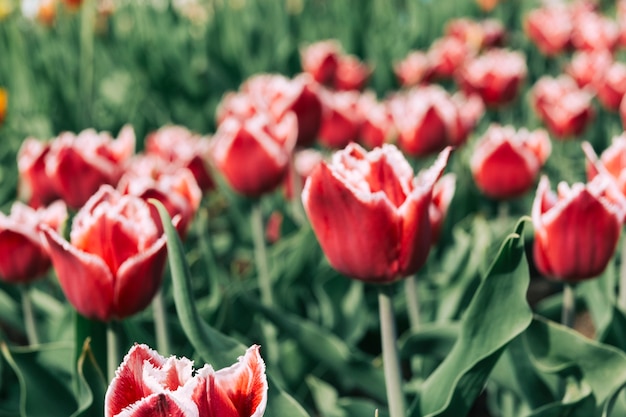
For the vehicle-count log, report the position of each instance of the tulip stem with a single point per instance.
(412, 301)
(296, 191)
(30, 323)
(113, 358)
(160, 324)
(568, 312)
(391, 361)
(622, 279)
(265, 284)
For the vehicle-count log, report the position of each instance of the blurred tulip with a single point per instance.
(305, 161)
(550, 28)
(446, 55)
(78, 165)
(612, 162)
(351, 74)
(73, 4)
(506, 162)
(611, 87)
(577, 229)
(370, 215)
(622, 112)
(146, 383)
(487, 5)
(496, 76)
(341, 120)
(594, 32)
(180, 147)
(377, 126)
(4, 104)
(176, 188)
(562, 106)
(443, 192)
(253, 155)
(586, 67)
(414, 69)
(273, 226)
(42, 10)
(470, 109)
(113, 265)
(321, 59)
(279, 95)
(34, 185)
(240, 104)
(477, 34)
(24, 258)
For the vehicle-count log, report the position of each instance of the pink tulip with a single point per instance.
(443, 192)
(113, 264)
(321, 59)
(377, 126)
(34, 184)
(351, 74)
(413, 69)
(341, 120)
(370, 214)
(550, 28)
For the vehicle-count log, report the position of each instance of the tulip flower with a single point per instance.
(446, 55)
(576, 229)
(506, 163)
(351, 73)
(24, 256)
(341, 120)
(34, 185)
(370, 215)
(175, 187)
(253, 155)
(305, 161)
(377, 126)
(593, 32)
(146, 383)
(587, 67)
(443, 192)
(611, 87)
(477, 34)
(413, 69)
(180, 147)
(95, 156)
(550, 28)
(612, 162)
(562, 106)
(321, 59)
(113, 264)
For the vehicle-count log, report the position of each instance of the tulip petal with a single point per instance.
(23, 260)
(163, 404)
(138, 279)
(238, 391)
(85, 279)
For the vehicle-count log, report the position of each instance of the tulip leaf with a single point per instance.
(327, 348)
(559, 350)
(92, 386)
(496, 315)
(434, 340)
(43, 378)
(214, 347)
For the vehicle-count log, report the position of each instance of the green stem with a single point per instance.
(160, 324)
(113, 357)
(391, 361)
(30, 323)
(265, 285)
(87, 21)
(568, 312)
(412, 301)
(296, 192)
(622, 278)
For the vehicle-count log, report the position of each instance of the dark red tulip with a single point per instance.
(370, 215)
(113, 264)
(320, 59)
(78, 165)
(506, 162)
(446, 55)
(576, 229)
(377, 126)
(24, 257)
(253, 155)
(341, 120)
(496, 76)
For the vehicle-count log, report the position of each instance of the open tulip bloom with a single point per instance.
(113, 265)
(147, 384)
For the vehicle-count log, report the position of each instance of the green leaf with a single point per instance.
(496, 315)
(213, 346)
(433, 340)
(92, 384)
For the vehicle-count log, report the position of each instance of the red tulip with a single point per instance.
(253, 155)
(576, 230)
(594, 32)
(611, 87)
(612, 162)
(469, 111)
(175, 187)
(24, 258)
(587, 67)
(78, 165)
(237, 391)
(442, 197)
(241, 105)
(305, 161)
(341, 120)
(351, 74)
(446, 55)
(562, 105)
(477, 34)
(321, 59)
(369, 213)
(377, 126)
(414, 69)
(550, 28)
(506, 162)
(496, 76)
(180, 147)
(113, 265)
(147, 384)
(34, 184)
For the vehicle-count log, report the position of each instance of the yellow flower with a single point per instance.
(6, 7)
